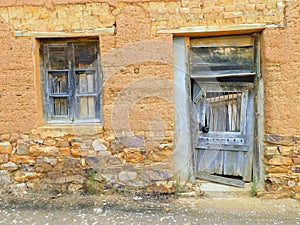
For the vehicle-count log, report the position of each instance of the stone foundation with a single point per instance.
(282, 166)
(61, 161)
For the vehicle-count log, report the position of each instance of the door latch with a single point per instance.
(205, 129)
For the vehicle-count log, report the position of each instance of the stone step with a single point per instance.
(216, 190)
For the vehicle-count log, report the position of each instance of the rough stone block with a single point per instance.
(65, 151)
(127, 176)
(291, 183)
(133, 155)
(98, 161)
(23, 159)
(278, 161)
(114, 161)
(50, 142)
(297, 196)
(52, 161)
(35, 150)
(10, 166)
(296, 160)
(279, 139)
(286, 150)
(271, 151)
(21, 176)
(109, 178)
(50, 150)
(99, 145)
(79, 152)
(296, 169)
(157, 175)
(4, 158)
(5, 147)
(165, 146)
(43, 168)
(116, 147)
(111, 170)
(22, 147)
(62, 143)
(71, 161)
(277, 169)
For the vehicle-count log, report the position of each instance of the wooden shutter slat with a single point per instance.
(234, 41)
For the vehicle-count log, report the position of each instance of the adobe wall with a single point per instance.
(134, 144)
(281, 60)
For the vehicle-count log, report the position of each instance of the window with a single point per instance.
(228, 56)
(71, 80)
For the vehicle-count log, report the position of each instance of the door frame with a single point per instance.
(185, 127)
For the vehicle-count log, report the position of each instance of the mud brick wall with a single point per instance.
(280, 63)
(134, 144)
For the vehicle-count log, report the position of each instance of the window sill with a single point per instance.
(60, 130)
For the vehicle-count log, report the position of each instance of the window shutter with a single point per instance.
(222, 57)
(72, 81)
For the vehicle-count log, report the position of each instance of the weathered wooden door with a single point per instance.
(224, 144)
(222, 71)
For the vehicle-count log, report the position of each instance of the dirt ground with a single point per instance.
(134, 209)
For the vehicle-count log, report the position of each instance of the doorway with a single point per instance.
(222, 72)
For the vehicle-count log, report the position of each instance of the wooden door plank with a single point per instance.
(221, 180)
(229, 163)
(206, 161)
(244, 112)
(249, 129)
(240, 161)
(218, 162)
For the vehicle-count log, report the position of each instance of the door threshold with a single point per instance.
(220, 179)
(217, 190)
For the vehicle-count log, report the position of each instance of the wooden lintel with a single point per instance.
(221, 180)
(218, 30)
(58, 34)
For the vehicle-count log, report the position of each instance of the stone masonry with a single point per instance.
(133, 146)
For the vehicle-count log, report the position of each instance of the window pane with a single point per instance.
(60, 106)
(85, 55)
(85, 83)
(58, 59)
(87, 107)
(58, 83)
